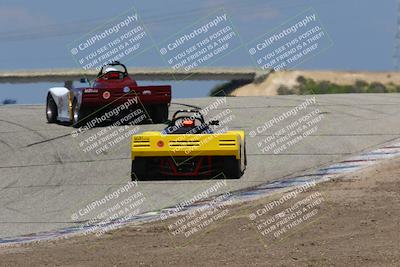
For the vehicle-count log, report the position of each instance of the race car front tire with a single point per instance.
(51, 109)
(159, 113)
(232, 168)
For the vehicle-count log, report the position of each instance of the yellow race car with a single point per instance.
(188, 148)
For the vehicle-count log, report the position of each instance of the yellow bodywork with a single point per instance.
(155, 144)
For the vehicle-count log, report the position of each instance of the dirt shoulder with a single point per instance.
(356, 224)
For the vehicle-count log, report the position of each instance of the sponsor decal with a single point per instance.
(91, 90)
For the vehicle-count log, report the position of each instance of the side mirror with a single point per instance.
(214, 122)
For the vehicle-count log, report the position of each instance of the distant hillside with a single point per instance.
(288, 82)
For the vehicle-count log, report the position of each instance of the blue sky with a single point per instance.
(35, 34)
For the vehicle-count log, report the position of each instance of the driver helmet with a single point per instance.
(108, 69)
(188, 123)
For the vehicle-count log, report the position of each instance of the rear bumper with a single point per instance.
(186, 166)
(185, 153)
(187, 145)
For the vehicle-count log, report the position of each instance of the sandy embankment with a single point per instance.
(289, 79)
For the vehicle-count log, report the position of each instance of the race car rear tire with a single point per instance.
(138, 171)
(51, 109)
(159, 113)
(232, 168)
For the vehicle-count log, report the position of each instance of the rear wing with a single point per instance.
(152, 144)
(153, 94)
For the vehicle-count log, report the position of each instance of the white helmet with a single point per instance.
(108, 69)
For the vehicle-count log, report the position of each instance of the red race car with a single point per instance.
(112, 92)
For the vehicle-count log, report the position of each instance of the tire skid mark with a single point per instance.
(48, 140)
(61, 163)
(24, 127)
(69, 134)
(11, 148)
(57, 157)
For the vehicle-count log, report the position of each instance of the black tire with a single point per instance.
(77, 115)
(142, 117)
(232, 168)
(51, 109)
(159, 113)
(138, 171)
(133, 174)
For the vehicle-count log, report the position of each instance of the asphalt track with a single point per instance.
(45, 176)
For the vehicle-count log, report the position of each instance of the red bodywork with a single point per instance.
(110, 92)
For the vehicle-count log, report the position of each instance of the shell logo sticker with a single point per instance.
(106, 95)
